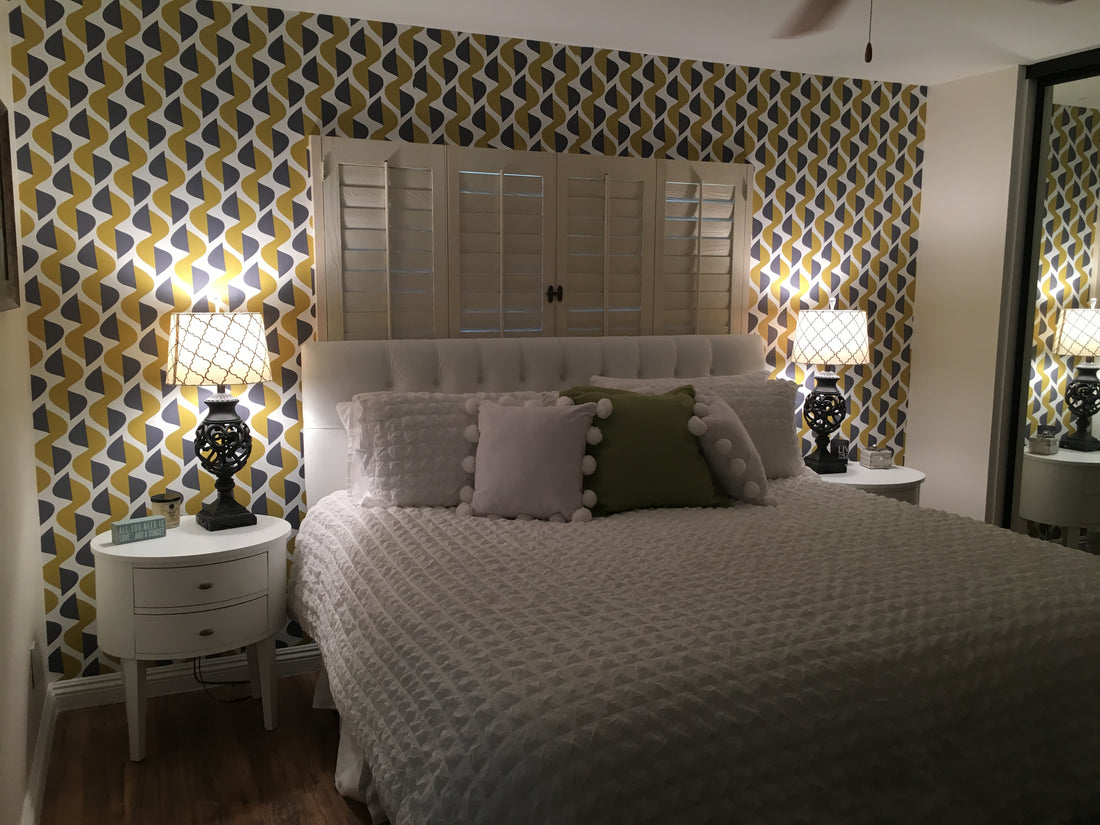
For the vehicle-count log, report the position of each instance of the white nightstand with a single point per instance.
(1062, 489)
(902, 483)
(188, 594)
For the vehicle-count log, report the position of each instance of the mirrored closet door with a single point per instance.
(1057, 490)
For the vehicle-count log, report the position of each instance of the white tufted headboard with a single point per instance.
(335, 371)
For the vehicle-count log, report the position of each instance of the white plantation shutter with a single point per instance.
(501, 239)
(702, 248)
(605, 245)
(380, 254)
(423, 241)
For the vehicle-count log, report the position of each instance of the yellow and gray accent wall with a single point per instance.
(162, 166)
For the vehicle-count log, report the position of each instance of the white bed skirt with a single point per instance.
(353, 776)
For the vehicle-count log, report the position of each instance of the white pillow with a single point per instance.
(765, 407)
(732, 457)
(530, 461)
(406, 449)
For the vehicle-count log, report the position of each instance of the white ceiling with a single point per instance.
(915, 41)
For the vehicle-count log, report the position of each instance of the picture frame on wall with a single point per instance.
(9, 254)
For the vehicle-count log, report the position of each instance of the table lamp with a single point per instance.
(828, 337)
(1079, 335)
(218, 349)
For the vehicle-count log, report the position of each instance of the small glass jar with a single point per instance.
(167, 504)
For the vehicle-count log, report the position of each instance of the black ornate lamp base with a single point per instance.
(824, 411)
(223, 444)
(1083, 400)
(823, 464)
(224, 511)
(1083, 442)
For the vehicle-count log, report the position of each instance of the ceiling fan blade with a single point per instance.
(812, 16)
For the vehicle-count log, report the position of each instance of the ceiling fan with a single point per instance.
(815, 15)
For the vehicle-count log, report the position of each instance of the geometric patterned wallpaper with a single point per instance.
(163, 166)
(1065, 263)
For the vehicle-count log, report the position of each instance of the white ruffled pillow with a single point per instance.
(767, 409)
(530, 462)
(729, 451)
(407, 448)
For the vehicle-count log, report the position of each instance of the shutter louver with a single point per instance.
(605, 245)
(700, 249)
(501, 229)
(386, 202)
(388, 246)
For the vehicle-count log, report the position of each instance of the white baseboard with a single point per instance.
(90, 691)
(36, 775)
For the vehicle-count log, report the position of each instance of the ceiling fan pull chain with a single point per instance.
(868, 52)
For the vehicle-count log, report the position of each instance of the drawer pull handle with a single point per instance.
(206, 585)
(206, 632)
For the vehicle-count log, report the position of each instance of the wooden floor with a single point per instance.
(208, 763)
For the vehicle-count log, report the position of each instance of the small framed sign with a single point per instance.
(137, 529)
(840, 448)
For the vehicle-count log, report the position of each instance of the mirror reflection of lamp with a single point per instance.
(1078, 335)
(829, 337)
(218, 349)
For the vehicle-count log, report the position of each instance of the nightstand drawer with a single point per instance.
(182, 633)
(200, 584)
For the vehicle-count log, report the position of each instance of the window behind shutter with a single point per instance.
(605, 245)
(501, 230)
(381, 253)
(702, 248)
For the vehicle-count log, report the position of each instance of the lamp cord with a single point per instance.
(196, 671)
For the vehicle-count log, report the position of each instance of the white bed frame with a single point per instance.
(335, 371)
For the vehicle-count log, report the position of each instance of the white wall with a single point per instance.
(22, 618)
(965, 206)
(21, 609)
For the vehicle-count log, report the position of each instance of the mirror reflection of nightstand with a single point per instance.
(1063, 490)
(902, 483)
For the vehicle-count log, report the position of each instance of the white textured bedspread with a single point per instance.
(840, 658)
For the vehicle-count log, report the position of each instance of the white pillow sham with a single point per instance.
(729, 451)
(530, 461)
(766, 408)
(406, 449)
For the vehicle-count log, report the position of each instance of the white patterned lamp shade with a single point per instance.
(1078, 332)
(220, 348)
(217, 348)
(831, 337)
(1079, 335)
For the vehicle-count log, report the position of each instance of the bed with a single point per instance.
(823, 656)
